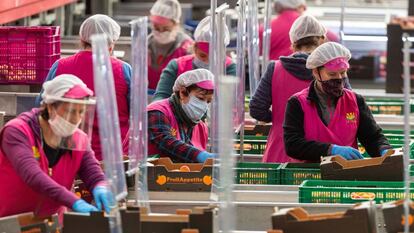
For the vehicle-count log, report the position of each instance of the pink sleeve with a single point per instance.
(332, 36)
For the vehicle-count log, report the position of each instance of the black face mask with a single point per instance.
(333, 87)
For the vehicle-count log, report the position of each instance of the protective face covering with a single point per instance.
(62, 127)
(333, 87)
(195, 108)
(165, 37)
(200, 64)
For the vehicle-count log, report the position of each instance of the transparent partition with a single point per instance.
(108, 122)
(138, 133)
(253, 44)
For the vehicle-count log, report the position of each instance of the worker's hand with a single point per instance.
(384, 151)
(103, 197)
(203, 156)
(82, 206)
(347, 152)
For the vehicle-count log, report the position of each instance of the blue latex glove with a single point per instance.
(203, 156)
(384, 151)
(103, 197)
(349, 153)
(82, 206)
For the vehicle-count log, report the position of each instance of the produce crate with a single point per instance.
(334, 191)
(296, 173)
(395, 143)
(27, 53)
(391, 107)
(258, 173)
(395, 131)
(252, 144)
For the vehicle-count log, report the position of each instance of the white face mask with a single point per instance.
(164, 37)
(195, 108)
(62, 127)
(200, 64)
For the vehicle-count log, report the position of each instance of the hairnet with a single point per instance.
(63, 85)
(325, 53)
(198, 76)
(305, 26)
(203, 31)
(170, 9)
(100, 24)
(291, 4)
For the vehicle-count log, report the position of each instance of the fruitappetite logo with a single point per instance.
(162, 180)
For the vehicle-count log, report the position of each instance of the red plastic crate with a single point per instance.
(27, 53)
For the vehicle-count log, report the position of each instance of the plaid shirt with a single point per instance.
(179, 150)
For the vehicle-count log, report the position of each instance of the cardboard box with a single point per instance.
(394, 216)
(166, 176)
(359, 219)
(386, 168)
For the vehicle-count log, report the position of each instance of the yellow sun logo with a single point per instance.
(350, 116)
(173, 132)
(36, 153)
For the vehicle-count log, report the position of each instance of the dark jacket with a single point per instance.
(369, 134)
(261, 101)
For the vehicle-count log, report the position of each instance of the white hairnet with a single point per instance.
(325, 53)
(193, 77)
(55, 89)
(305, 26)
(170, 9)
(291, 4)
(100, 24)
(203, 31)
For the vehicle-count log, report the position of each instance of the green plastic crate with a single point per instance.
(258, 173)
(395, 131)
(252, 146)
(334, 191)
(296, 173)
(383, 106)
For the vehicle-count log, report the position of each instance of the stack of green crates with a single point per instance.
(295, 173)
(258, 173)
(334, 191)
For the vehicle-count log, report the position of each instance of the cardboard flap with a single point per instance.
(350, 164)
(170, 166)
(152, 217)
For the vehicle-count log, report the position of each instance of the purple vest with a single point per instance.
(81, 65)
(343, 127)
(284, 85)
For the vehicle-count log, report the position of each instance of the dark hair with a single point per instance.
(85, 44)
(194, 87)
(310, 41)
(43, 110)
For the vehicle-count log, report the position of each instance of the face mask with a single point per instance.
(200, 64)
(195, 108)
(164, 37)
(62, 127)
(333, 87)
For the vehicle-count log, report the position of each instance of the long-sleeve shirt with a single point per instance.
(169, 75)
(18, 151)
(179, 150)
(369, 133)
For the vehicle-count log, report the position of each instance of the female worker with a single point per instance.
(42, 151)
(167, 41)
(326, 119)
(175, 125)
(81, 65)
(200, 59)
(282, 79)
(288, 11)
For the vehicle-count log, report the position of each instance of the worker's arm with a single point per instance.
(369, 133)
(294, 135)
(167, 80)
(17, 149)
(231, 69)
(90, 172)
(159, 132)
(262, 99)
(51, 75)
(127, 71)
